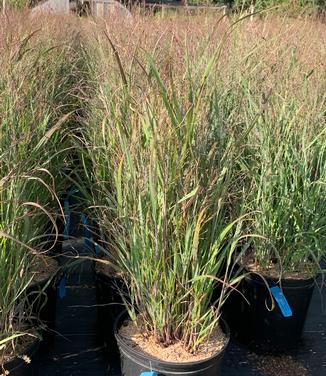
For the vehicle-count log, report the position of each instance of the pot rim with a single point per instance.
(283, 282)
(291, 281)
(150, 358)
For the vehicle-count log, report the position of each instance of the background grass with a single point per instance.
(38, 87)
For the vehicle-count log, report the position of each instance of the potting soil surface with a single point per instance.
(76, 352)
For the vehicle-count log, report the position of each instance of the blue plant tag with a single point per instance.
(149, 373)
(67, 220)
(281, 301)
(62, 287)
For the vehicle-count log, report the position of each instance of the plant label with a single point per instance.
(281, 301)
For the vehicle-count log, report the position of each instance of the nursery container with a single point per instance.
(133, 362)
(110, 305)
(19, 367)
(266, 330)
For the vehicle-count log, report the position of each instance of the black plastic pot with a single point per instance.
(19, 367)
(110, 306)
(267, 330)
(133, 362)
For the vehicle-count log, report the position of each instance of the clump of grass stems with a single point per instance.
(37, 84)
(159, 169)
(282, 168)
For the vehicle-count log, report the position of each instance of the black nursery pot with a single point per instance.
(19, 367)
(264, 330)
(110, 306)
(133, 362)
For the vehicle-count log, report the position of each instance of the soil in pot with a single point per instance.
(139, 353)
(110, 305)
(24, 364)
(267, 330)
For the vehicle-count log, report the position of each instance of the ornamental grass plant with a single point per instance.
(36, 100)
(282, 164)
(284, 183)
(158, 161)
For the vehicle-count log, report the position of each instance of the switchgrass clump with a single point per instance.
(282, 166)
(284, 184)
(37, 85)
(159, 162)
